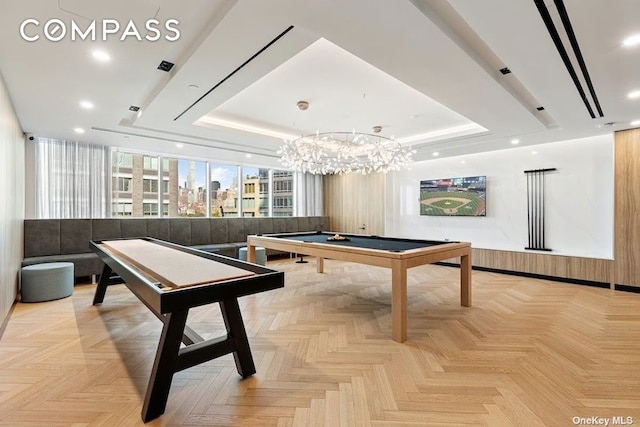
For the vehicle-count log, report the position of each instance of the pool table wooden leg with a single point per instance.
(399, 300)
(251, 253)
(465, 280)
(320, 264)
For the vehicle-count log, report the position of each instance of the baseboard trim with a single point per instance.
(5, 322)
(537, 276)
(627, 288)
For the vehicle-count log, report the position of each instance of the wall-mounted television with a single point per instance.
(465, 196)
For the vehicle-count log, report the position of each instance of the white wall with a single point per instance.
(579, 198)
(11, 201)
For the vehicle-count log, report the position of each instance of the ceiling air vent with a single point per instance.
(165, 66)
(505, 70)
(134, 108)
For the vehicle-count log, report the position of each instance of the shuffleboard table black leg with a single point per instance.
(164, 365)
(235, 330)
(101, 290)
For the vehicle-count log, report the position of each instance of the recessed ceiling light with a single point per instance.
(635, 123)
(78, 130)
(435, 154)
(631, 41)
(179, 145)
(100, 55)
(194, 87)
(515, 141)
(634, 94)
(463, 162)
(86, 105)
(534, 152)
(248, 156)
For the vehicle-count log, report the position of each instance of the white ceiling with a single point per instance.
(417, 68)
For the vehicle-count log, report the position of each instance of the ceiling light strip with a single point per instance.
(553, 32)
(564, 16)
(265, 47)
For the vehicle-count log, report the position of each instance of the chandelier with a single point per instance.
(344, 152)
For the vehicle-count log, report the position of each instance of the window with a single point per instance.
(184, 187)
(124, 184)
(150, 185)
(122, 209)
(283, 202)
(256, 187)
(224, 190)
(192, 188)
(149, 209)
(122, 160)
(282, 193)
(249, 188)
(150, 163)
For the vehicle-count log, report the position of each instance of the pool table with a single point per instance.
(397, 254)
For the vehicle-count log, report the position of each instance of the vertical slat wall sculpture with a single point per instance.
(535, 208)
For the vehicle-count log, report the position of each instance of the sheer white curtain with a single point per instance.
(71, 179)
(309, 195)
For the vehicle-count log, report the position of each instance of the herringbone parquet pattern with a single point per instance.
(529, 352)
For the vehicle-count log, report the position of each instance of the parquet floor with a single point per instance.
(528, 353)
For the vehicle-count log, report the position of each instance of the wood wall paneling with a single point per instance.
(627, 202)
(353, 200)
(12, 207)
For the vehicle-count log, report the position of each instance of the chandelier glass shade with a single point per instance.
(344, 152)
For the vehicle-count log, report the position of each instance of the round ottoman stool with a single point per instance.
(46, 282)
(261, 255)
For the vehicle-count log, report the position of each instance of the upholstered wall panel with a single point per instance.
(75, 235)
(251, 226)
(46, 237)
(106, 229)
(303, 223)
(236, 231)
(265, 225)
(158, 228)
(134, 227)
(200, 231)
(180, 231)
(219, 230)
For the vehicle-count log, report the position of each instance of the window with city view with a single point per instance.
(282, 193)
(224, 190)
(140, 187)
(255, 195)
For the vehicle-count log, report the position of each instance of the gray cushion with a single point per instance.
(180, 231)
(105, 229)
(200, 231)
(265, 225)
(315, 224)
(236, 230)
(324, 223)
(279, 225)
(219, 230)
(303, 223)
(75, 235)
(84, 264)
(134, 227)
(251, 226)
(291, 224)
(41, 237)
(158, 228)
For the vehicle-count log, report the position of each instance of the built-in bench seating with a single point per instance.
(67, 240)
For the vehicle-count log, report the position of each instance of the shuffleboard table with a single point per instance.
(394, 253)
(171, 279)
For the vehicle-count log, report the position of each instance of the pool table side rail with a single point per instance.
(377, 257)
